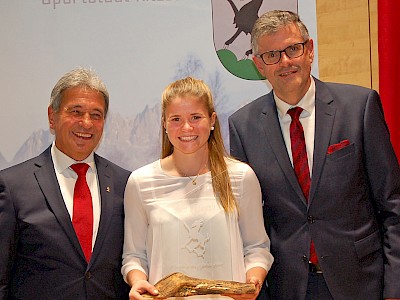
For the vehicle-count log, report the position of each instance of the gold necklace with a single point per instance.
(193, 180)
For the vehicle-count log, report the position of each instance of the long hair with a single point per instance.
(221, 182)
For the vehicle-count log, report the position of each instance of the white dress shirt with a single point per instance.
(307, 119)
(66, 179)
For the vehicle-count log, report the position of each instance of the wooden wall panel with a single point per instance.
(347, 52)
(373, 8)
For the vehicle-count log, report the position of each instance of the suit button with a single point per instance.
(88, 275)
(310, 219)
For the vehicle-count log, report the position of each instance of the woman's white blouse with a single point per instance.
(172, 225)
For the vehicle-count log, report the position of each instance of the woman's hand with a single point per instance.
(256, 276)
(139, 287)
(257, 282)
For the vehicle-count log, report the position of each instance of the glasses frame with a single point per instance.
(281, 51)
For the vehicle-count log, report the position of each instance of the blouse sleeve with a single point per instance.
(134, 251)
(256, 243)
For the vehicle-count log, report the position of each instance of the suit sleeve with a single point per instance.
(235, 143)
(7, 237)
(384, 178)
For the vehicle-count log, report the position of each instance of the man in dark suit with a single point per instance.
(340, 237)
(41, 256)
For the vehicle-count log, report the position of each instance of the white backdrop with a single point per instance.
(137, 48)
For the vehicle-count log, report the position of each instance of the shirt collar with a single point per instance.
(62, 161)
(307, 103)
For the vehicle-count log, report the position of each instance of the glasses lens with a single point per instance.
(295, 50)
(271, 57)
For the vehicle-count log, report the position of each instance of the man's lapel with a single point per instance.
(104, 175)
(47, 181)
(324, 117)
(271, 126)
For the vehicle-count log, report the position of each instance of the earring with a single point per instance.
(212, 128)
(166, 131)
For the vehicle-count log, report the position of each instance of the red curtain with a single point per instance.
(389, 66)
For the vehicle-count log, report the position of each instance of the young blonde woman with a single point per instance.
(196, 210)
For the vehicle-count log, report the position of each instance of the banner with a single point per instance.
(137, 47)
(389, 66)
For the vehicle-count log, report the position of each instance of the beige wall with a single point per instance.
(347, 41)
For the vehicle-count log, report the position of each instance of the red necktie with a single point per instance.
(300, 161)
(82, 217)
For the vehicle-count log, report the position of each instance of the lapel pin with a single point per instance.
(108, 189)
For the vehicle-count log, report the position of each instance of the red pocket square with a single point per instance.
(338, 146)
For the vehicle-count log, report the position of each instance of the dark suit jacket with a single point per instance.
(40, 255)
(353, 214)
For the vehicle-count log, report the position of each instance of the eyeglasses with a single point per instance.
(274, 56)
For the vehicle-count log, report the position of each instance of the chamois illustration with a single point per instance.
(197, 241)
(245, 17)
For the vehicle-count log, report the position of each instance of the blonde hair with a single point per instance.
(221, 182)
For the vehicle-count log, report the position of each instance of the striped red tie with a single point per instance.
(300, 161)
(82, 217)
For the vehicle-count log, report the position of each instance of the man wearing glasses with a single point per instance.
(328, 172)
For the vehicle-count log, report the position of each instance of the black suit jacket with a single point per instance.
(40, 255)
(353, 213)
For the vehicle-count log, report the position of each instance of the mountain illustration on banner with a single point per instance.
(233, 21)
